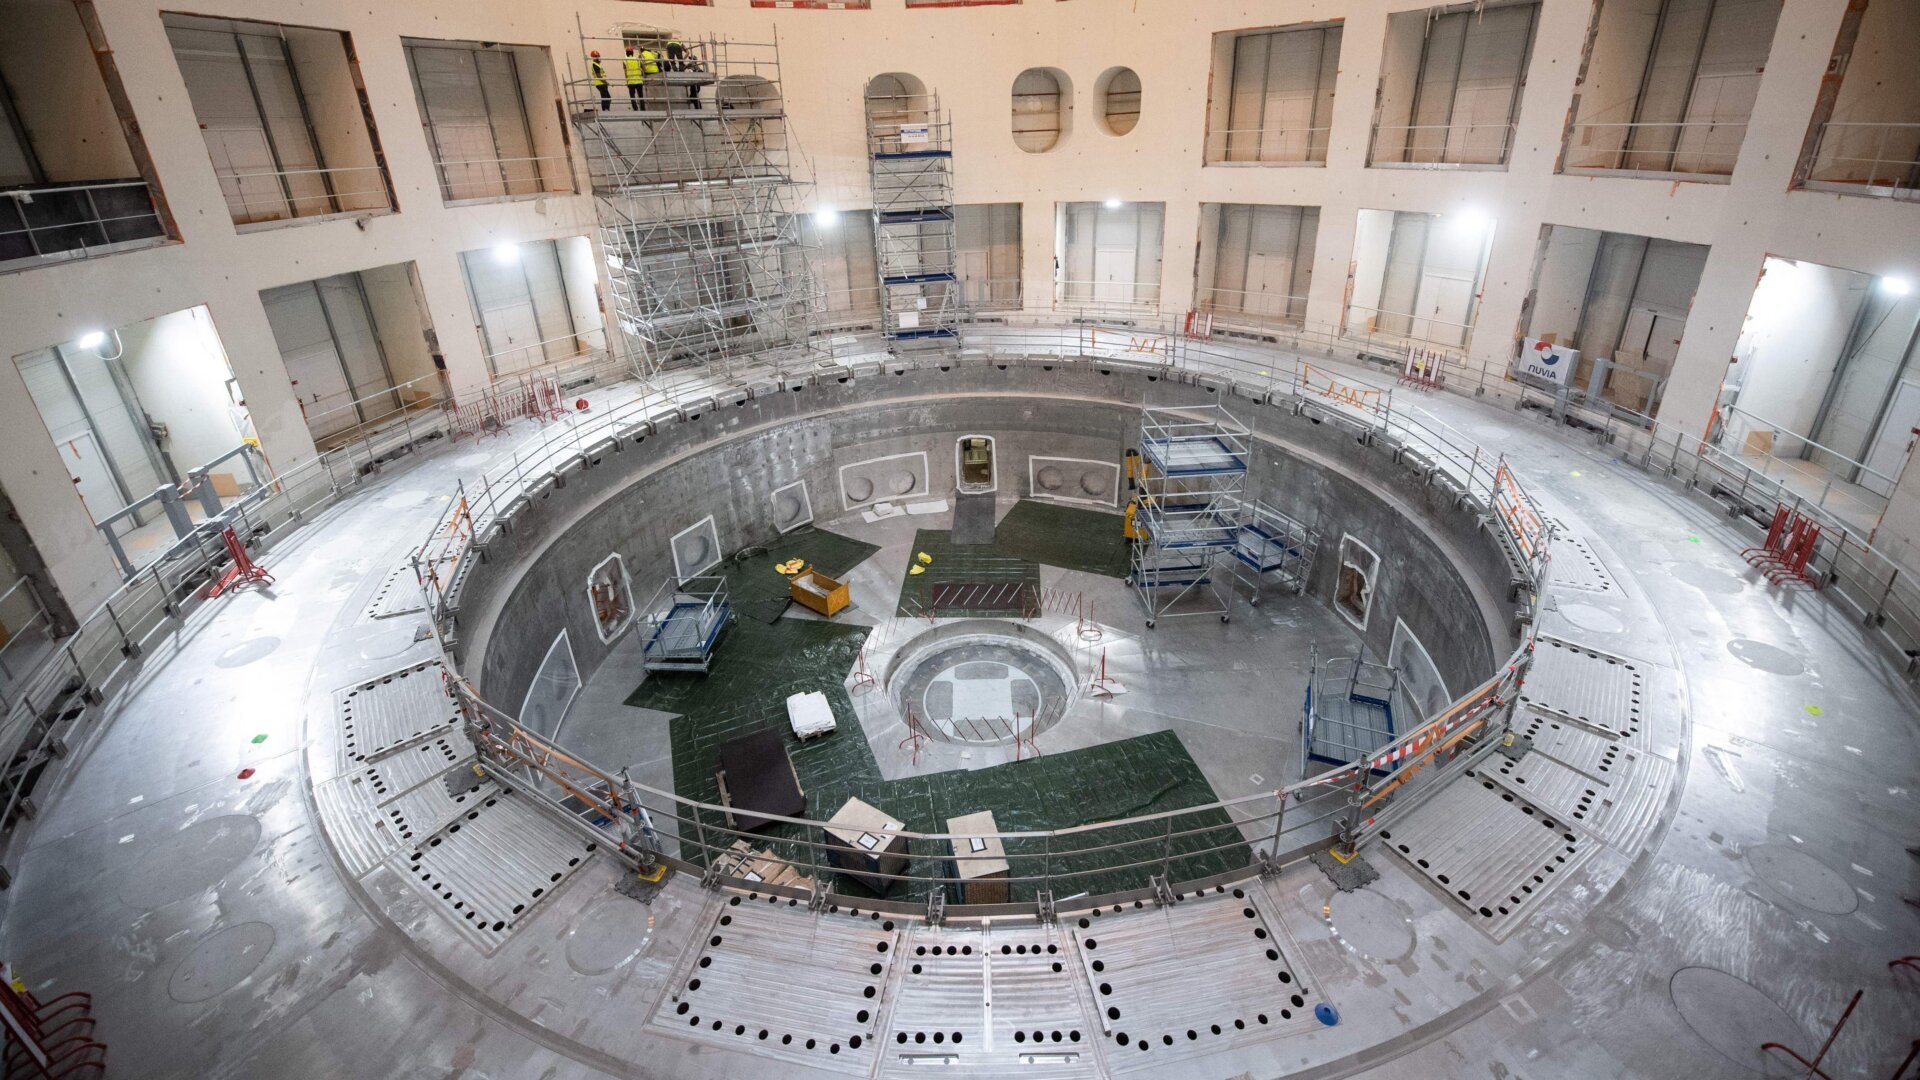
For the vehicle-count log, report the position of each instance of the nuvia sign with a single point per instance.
(1553, 363)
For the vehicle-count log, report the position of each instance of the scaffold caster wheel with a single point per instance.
(1149, 624)
(1255, 602)
(1225, 618)
(1129, 583)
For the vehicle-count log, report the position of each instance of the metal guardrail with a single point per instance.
(1611, 147)
(1161, 848)
(1300, 146)
(1882, 594)
(94, 231)
(1427, 146)
(1867, 157)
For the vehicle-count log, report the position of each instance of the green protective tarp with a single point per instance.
(1069, 537)
(759, 664)
(961, 564)
(759, 592)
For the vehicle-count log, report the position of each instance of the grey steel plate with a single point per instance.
(381, 715)
(1492, 852)
(1595, 753)
(403, 770)
(399, 594)
(490, 868)
(988, 1004)
(1594, 688)
(353, 823)
(1201, 977)
(772, 981)
(422, 811)
(1575, 565)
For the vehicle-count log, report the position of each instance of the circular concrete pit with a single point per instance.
(982, 681)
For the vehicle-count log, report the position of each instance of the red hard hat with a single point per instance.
(595, 53)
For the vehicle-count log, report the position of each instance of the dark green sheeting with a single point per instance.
(972, 564)
(1069, 537)
(758, 591)
(759, 664)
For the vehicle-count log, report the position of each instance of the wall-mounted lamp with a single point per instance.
(506, 253)
(826, 217)
(1112, 204)
(1895, 286)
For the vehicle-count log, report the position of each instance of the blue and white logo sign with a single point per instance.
(1541, 360)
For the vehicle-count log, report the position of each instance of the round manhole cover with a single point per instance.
(1370, 924)
(1588, 617)
(610, 932)
(1768, 658)
(1732, 1015)
(177, 866)
(221, 961)
(1802, 879)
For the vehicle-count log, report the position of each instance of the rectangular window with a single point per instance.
(1278, 105)
(1415, 279)
(1450, 86)
(1670, 85)
(1110, 256)
(284, 121)
(987, 255)
(1256, 262)
(332, 351)
(1864, 138)
(519, 295)
(474, 107)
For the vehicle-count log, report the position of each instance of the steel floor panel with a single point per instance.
(988, 1004)
(1582, 749)
(382, 715)
(1618, 811)
(1494, 853)
(399, 594)
(419, 813)
(1576, 566)
(353, 823)
(1202, 977)
(1594, 688)
(491, 867)
(403, 770)
(774, 982)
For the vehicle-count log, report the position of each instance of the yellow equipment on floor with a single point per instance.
(819, 592)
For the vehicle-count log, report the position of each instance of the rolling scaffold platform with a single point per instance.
(1191, 479)
(684, 620)
(910, 169)
(1349, 712)
(1274, 547)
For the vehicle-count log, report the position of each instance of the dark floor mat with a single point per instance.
(966, 580)
(1069, 537)
(973, 519)
(758, 591)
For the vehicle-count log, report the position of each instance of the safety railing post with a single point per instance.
(1279, 822)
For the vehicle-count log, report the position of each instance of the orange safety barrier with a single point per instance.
(1335, 388)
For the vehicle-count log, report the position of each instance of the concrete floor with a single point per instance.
(212, 921)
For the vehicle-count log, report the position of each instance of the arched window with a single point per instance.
(1039, 109)
(1119, 100)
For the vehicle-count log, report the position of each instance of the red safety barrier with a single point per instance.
(1792, 538)
(244, 570)
(53, 1039)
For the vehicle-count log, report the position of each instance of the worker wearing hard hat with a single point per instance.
(650, 67)
(634, 79)
(598, 72)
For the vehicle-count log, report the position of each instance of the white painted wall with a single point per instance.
(1801, 315)
(970, 56)
(180, 373)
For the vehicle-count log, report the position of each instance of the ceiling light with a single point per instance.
(1471, 222)
(1895, 286)
(826, 217)
(506, 253)
(1112, 204)
(93, 339)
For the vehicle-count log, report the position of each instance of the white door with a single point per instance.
(1444, 303)
(1716, 122)
(971, 268)
(1889, 448)
(90, 476)
(1113, 276)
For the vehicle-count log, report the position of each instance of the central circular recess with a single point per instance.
(983, 682)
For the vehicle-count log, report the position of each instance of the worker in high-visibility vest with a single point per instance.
(680, 58)
(650, 66)
(598, 72)
(634, 79)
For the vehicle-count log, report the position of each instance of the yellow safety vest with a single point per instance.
(652, 61)
(634, 77)
(599, 73)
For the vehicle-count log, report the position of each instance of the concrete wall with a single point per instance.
(1802, 314)
(1440, 570)
(181, 376)
(56, 86)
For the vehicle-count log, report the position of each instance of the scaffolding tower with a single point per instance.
(910, 165)
(694, 189)
(1190, 498)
